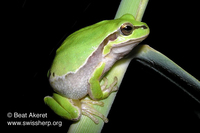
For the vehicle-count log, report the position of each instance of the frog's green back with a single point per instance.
(77, 47)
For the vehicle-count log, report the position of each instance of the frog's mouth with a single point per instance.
(125, 47)
(131, 41)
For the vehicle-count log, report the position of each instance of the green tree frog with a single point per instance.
(83, 59)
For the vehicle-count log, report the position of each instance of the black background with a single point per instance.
(146, 101)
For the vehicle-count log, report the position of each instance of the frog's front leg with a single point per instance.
(98, 91)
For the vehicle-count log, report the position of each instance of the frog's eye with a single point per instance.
(126, 29)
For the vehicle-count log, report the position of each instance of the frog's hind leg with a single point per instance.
(90, 111)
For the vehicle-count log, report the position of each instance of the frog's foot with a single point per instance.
(90, 111)
(107, 90)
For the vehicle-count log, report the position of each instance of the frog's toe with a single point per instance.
(90, 111)
(113, 85)
(107, 90)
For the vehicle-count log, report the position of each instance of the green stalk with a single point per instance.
(86, 125)
(134, 7)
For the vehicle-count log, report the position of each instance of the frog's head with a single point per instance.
(127, 35)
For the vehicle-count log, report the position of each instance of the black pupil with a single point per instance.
(128, 28)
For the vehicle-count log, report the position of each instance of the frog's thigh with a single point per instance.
(95, 91)
(64, 107)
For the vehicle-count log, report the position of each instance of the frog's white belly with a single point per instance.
(72, 86)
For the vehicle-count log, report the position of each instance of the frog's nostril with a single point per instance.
(143, 27)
